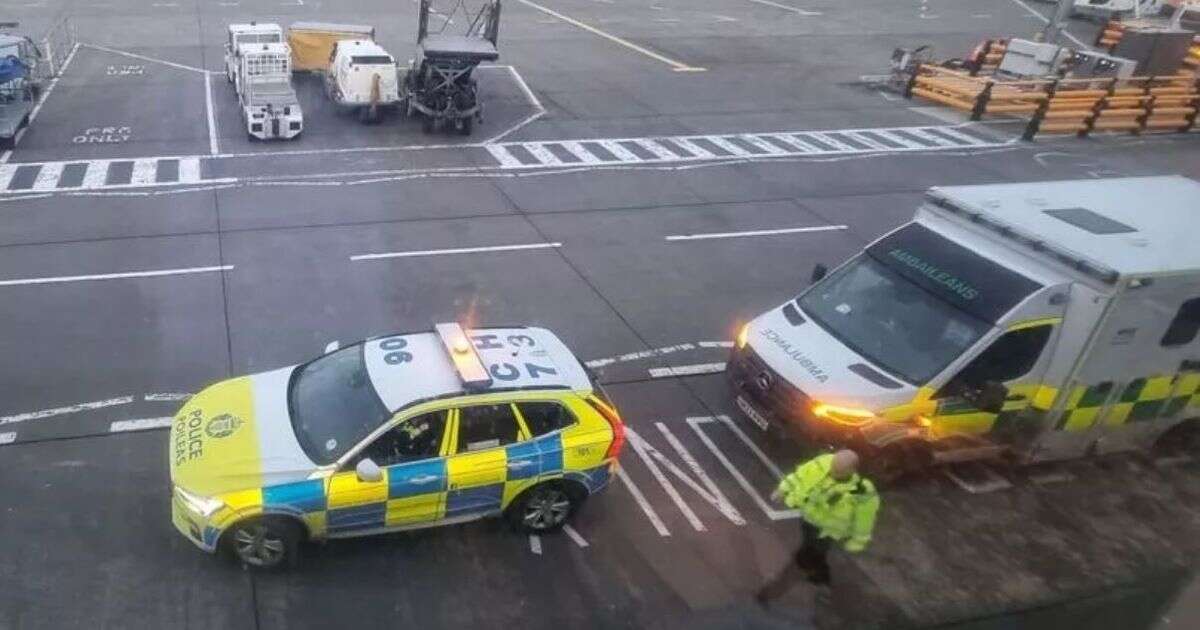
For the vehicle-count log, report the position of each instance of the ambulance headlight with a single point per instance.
(204, 506)
(852, 416)
(742, 336)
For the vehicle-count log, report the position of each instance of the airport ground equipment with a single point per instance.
(362, 78)
(440, 85)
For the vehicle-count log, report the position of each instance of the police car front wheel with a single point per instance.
(544, 508)
(264, 543)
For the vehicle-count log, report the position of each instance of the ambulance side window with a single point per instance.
(413, 439)
(1184, 326)
(486, 426)
(1009, 357)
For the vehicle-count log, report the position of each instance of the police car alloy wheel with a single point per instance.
(263, 543)
(545, 508)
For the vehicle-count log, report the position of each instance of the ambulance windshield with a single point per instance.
(333, 404)
(890, 321)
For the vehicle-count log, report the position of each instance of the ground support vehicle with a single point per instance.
(397, 432)
(270, 108)
(1040, 321)
(252, 33)
(362, 78)
(439, 84)
(20, 85)
(312, 42)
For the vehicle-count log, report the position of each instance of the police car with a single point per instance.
(392, 433)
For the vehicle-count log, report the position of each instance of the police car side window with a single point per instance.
(413, 439)
(544, 417)
(482, 427)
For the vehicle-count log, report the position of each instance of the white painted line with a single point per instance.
(758, 452)
(833, 142)
(619, 151)
(728, 146)
(535, 544)
(716, 344)
(924, 135)
(48, 176)
(658, 150)
(167, 397)
(213, 147)
(59, 411)
(144, 172)
(723, 503)
(575, 536)
(144, 58)
(900, 140)
(641, 448)
(635, 356)
(8, 438)
(761, 144)
(96, 174)
(459, 250)
(678, 66)
(506, 159)
(539, 110)
(1046, 20)
(640, 499)
(114, 276)
(867, 140)
(954, 133)
(787, 8)
(693, 148)
(141, 424)
(539, 151)
(687, 370)
(768, 510)
(189, 170)
(6, 174)
(712, 235)
(795, 140)
(578, 150)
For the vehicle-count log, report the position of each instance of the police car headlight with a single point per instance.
(852, 416)
(204, 506)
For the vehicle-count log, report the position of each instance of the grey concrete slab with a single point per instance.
(96, 217)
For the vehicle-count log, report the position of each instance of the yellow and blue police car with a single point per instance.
(397, 432)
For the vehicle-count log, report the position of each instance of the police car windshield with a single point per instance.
(333, 404)
(891, 321)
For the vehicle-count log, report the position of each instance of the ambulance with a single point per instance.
(1030, 321)
(393, 433)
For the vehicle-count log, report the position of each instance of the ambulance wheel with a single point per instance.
(1182, 439)
(895, 462)
(264, 543)
(544, 508)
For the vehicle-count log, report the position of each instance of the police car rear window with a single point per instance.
(952, 272)
(544, 417)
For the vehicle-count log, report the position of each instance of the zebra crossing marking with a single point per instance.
(143, 173)
(666, 149)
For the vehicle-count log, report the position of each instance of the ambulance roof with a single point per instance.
(1112, 227)
(413, 367)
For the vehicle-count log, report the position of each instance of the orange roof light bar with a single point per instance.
(470, 368)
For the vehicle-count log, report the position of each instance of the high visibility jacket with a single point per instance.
(842, 510)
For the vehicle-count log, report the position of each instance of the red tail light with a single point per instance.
(618, 428)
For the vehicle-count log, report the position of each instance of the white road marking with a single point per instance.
(761, 144)
(640, 499)
(8, 438)
(144, 172)
(796, 141)
(167, 397)
(144, 58)
(48, 176)
(678, 66)
(503, 156)
(728, 146)
(59, 411)
(687, 370)
(619, 151)
(141, 424)
(535, 544)
(723, 503)
(771, 512)
(189, 170)
(539, 151)
(693, 148)
(213, 147)
(716, 344)
(458, 250)
(867, 140)
(712, 235)
(787, 8)
(833, 142)
(575, 536)
(96, 174)
(635, 356)
(6, 174)
(1046, 20)
(38, 107)
(954, 133)
(114, 276)
(641, 448)
(655, 149)
(578, 150)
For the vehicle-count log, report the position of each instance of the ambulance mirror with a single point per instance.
(819, 271)
(368, 471)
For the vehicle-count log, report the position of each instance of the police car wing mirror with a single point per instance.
(990, 397)
(819, 271)
(332, 346)
(368, 471)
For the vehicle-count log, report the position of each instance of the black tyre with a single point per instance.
(896, 462)
(543, 508)
(1181, 440)
(264, 543)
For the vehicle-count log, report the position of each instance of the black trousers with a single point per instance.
(809, 563)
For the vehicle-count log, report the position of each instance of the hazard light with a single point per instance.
(470, 368)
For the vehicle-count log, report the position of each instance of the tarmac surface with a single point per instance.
(148, 248)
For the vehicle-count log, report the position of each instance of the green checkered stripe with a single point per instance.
(1141, 400)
